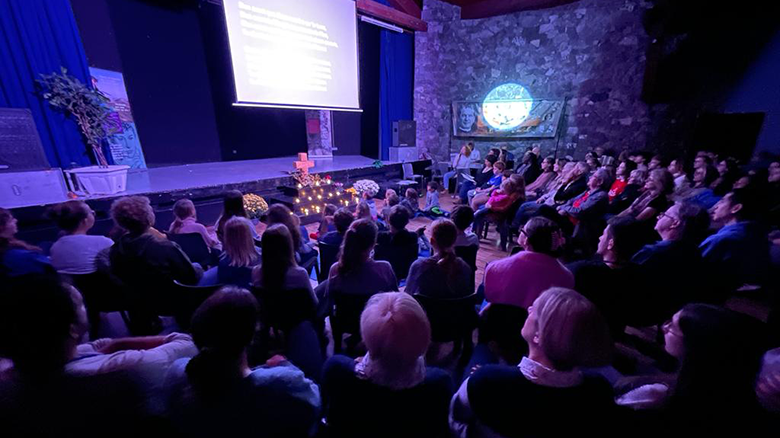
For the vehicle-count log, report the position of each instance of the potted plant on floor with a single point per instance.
(89, 107)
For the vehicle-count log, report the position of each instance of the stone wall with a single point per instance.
(591, 53)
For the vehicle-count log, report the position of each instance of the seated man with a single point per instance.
(738, 253)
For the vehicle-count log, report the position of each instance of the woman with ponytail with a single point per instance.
(216, 393)
(186, 222)
(18, 257)
(444, 275)
(356, 273)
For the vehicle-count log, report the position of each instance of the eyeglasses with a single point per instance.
(663, 214)
(667, 328)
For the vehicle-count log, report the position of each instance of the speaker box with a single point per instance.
(404, 133)
(21, 146)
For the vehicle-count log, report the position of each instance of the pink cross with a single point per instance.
(303, 162)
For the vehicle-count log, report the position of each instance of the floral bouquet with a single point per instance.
(254, 205)
(366, 186)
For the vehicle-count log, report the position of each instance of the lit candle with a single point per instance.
(319, 196)
(297, 201)
(309, 198)
(300, 186)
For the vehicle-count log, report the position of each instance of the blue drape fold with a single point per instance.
(39, 36)
(396, 84)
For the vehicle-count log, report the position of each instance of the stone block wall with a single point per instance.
(590, 52)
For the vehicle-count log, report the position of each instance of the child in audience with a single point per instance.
(368, 198)
(432, 207)
(463, 216)
(18, 257)
(412, 202)
(186, 222)
(326, 223)
(363, 211)
(390, 202)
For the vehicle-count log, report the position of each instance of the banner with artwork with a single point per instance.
(517, 118)
(124, 145)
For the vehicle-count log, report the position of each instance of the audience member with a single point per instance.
(622, 174)
(738, 253)
(391, 385)
(460, 164)
(411, 201)
(654, 199)
(280, 214)
(498, 204)
(233, 205)
(18, 257)
(636, 183)
(518, 280)
(550, 169)
(398, 246)
(278, 270)
(463, 216)
(342, 220)
(432, 198)
(565, 333)
(368, 198)
(713, 391)
(216, 393)
(481, 180)
(529, 169)
(444, 274)
(75, 253)
(480, 195)
(363, 211)
(677, 169)
(657, 162)
(326, 223)
(239, 257)
(185, 222)
(576, 184)
(586, 212)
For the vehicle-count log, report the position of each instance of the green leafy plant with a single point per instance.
(87, 105)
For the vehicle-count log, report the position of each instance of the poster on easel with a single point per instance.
(125, 145)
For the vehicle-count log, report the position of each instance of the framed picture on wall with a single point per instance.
(518, 118)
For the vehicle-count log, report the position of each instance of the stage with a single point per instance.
(205, 183)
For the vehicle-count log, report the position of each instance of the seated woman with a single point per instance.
(18, 257)
(75, 252)
(356, 272)
(713, 391)
(700, 193)
(38, 397)
(480, 180)
(529, 209)
(635, 185)
(550, 169)
(622, 174)
(233, 205)
(216, 393)
(564, 332)
(186, 222)
(460, 164)
(443, 275)
(654, 199)
(586, 212)
(279, 271)
(240, 255)
(145, 263)
(280, 214)
(389, 386)
(497, 207)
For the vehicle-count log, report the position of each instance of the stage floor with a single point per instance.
(203, 175)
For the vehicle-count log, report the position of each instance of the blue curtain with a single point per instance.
(39, 36)
(396, 83)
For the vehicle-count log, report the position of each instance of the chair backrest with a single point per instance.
(194, 246)
(284, 309)
(347, 309)
(182, 300)
(451, 318)
(99, 291)
(468, 254)
(408, 171)
(400, 257)
(329, 255)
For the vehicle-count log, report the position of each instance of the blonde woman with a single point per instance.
(564, 332)
(240, 254)
(389, 386)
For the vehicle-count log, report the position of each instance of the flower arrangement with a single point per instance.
(254, 205)
(366, 186)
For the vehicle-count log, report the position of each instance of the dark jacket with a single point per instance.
(146, 263)
(571, 190)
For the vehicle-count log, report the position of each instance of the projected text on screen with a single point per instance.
(299, 53)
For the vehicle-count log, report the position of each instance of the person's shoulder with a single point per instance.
(437, 377)
(495, 376)
(338, 369)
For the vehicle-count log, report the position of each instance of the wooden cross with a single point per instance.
(303, 162)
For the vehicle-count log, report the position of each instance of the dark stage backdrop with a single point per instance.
(176, 62)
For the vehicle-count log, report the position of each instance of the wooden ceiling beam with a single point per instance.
(394, 16)
(408, 6)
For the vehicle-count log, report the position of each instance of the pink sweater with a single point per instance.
(518, 280)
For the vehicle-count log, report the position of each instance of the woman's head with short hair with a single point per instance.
(133, 213)
(568, 329)
(637, 177)
(660, 181)
(71, 215)
(397, 334)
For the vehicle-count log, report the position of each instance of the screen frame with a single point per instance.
(239, 103)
